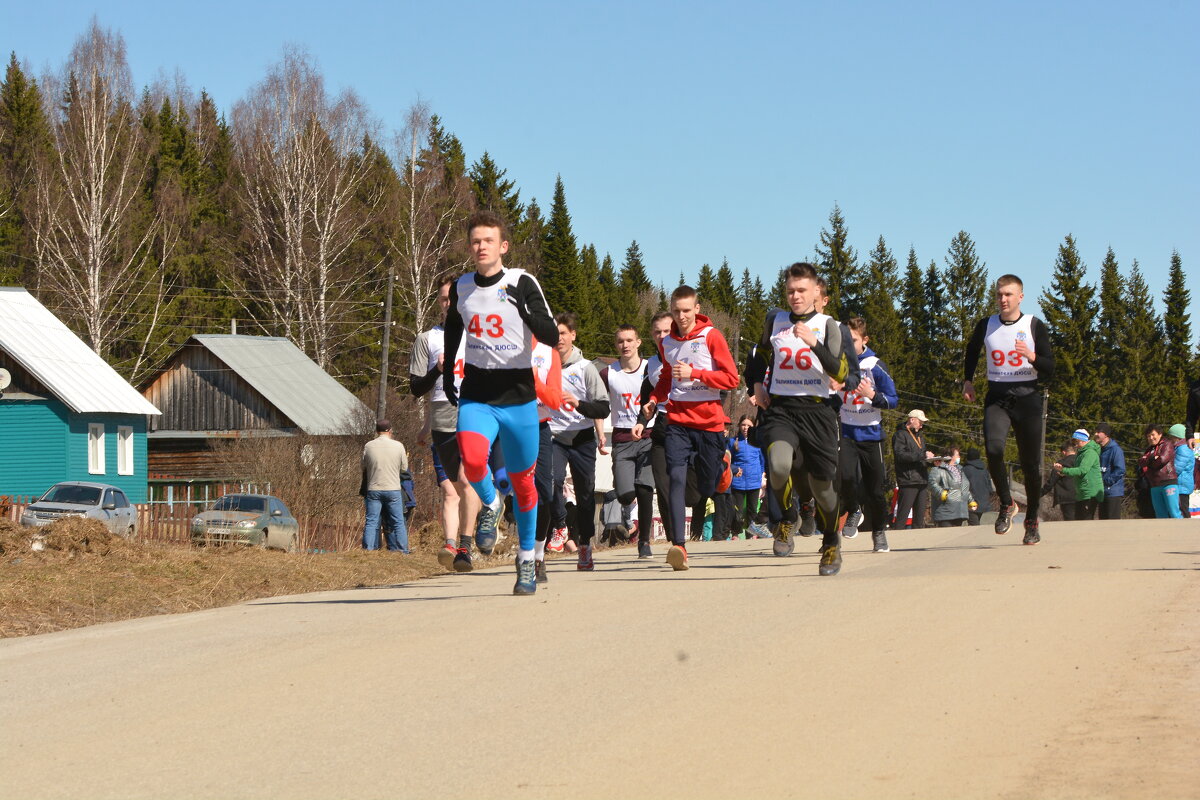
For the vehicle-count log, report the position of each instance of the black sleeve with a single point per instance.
(1044, 362)
(453, 335)
(421, 384)
(594, 409)
(531, 305)
(832, 353)
(974, 348)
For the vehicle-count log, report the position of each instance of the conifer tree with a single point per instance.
(910, 366)
(25, 141)
(1140, 375)
(1110, 332)
(724, 292)
(881, 288)
(596, 320)
(528, 237)
(1177, 331)
(493, 191)
(705, 287)
(633, 270)
(561, 274)
(1069, 309)
(938, 367)
(838, 263)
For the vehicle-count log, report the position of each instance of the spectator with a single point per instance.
(1157, 465)
(1193, 411)
(384, 463)
(1112, 472)
(1185, 468)
(950, 491)
(746, 462)
(1089, 483)
(912, 474)
(981, 484)
(1063, 487)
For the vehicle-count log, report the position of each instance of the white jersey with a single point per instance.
(857, 410)
(437, 345)
(694, 351)
(496, 336)
(795, 370)
(543, 360)
(1005, 364)
(575, 382)
(624, 392)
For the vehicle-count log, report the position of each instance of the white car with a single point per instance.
(97, 501)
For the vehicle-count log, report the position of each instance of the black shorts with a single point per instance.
(446, 444)
(810, 427)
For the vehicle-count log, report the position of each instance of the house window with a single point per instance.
(124, 450)
(96, 448)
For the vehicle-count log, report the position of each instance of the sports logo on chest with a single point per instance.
(502, 293)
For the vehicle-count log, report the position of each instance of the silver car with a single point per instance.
(248, 519)
(98, 501)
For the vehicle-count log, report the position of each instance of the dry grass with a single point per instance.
(86, 576)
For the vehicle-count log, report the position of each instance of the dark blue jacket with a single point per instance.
(1112, 469)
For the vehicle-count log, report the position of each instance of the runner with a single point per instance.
(861, 453)
(698, 365)
(804, 351)
(547, 379)
(577, 431)
(499, 311)
(1014, 370)
(460, 504)
(630, 457)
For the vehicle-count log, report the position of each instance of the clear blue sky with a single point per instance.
(712, 130)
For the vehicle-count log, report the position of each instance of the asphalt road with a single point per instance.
(959, 665)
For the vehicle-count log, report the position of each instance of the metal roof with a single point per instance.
(291, 381)
(61, 361)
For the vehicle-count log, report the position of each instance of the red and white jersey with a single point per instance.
(857, 410)
(1005, 364)
(543, 359)
(624, 392)
(437, 344)
(795, 370)
(696, 352)
(496, 337)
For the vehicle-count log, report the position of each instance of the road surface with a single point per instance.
(960, 665)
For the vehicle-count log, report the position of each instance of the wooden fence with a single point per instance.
(173, 525)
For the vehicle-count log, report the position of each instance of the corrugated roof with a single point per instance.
(39, 341)
(291, 381)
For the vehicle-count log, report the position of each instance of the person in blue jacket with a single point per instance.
(1112, 471)
(1185, 469)
(747, 465)
(861, 451)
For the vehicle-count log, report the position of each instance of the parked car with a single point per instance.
(98, 501)
(250, 519)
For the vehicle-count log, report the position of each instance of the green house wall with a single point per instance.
(43, 442)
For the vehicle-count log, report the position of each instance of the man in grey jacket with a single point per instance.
(384, 464)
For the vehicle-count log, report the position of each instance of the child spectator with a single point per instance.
(1185, 467)
(949, 490)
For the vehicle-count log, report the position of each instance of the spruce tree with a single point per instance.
(1110, 332)
(25, 141)
(596, 321)
(528, 238)
(909, 366)
(705, 287)
(839, 266)
(938, 367)
(1140, 375)
(1069, 309)
(633, 270)
(724, 294)
(1177, 331)
(880, 290)
(562, 275)
(493, 191)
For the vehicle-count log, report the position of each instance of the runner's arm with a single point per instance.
(596, 405)
(885, 387)
(453, 336)
(725, 376)
(535, 312)
(832, 353)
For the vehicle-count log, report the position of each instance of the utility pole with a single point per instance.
(381, 403)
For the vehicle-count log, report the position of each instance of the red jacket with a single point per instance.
(706, 415)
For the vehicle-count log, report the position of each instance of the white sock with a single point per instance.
(525, 555)
(540, 549)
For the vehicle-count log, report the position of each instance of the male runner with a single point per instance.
(631, 457)
(460, 504)
(1018, 359)
(805, 354)
(576, 434)
(547, 380)
(499, 311)
(862, 438)
(697, 366)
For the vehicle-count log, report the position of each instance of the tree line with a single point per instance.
(142, 217)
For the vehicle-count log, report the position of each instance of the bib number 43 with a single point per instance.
(494, 326)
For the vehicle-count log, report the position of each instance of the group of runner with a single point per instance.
(517, 391)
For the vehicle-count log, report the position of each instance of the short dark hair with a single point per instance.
(1104, 428)
(448, 278)
(1005, 280)
(858, 325)
(628, 327)
(1154, 427)
(684, 292)
(569, 319)
(659, 315)
(382, 426)
(486, 218)
(801, 269)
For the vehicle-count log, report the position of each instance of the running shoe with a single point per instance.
(462, 560)
(1031, 532)
(808, 519)
(831, 560)
(677, 557)
(526, 577)
(785, 540)
(558, 538)
(1004, 518)
(850, 529)
(644, 550)
(485, 526)
(759, 531)
(586, 564)
(880, 540)
(539, 570)
(446, 556)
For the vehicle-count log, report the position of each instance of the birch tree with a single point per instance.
(303, 158)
